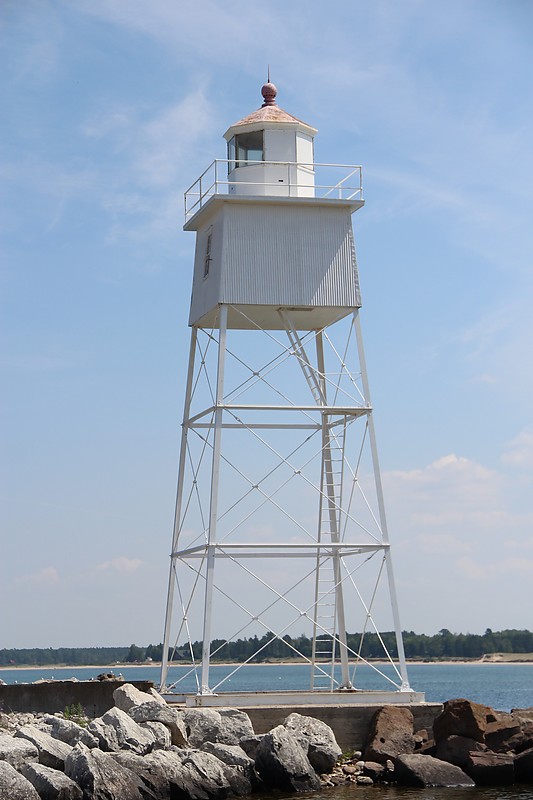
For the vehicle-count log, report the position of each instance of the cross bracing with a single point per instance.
(280, 525)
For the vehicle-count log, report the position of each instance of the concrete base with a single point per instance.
(95, 697)
(302, 698)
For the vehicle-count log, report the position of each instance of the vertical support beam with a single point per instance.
(213, 502)
(327, 469)
(381, 508)
(177, 512)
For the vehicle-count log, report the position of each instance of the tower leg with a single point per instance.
(333, 508)
(381, 509)
(213, 502)
(177, 513)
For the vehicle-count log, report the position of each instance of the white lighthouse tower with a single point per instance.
(280, 546)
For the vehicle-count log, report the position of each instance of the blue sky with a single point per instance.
(112, 108)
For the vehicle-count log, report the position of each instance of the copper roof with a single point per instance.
(271, 113)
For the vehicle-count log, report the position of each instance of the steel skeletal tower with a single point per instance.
(280, 534)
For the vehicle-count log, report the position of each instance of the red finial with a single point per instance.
(269, 92)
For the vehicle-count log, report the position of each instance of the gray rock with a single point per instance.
(234, 756)
(414, 769)
(202, 777)
(68, 731)
(51, 784)
(101, 777)
(128, 696)
(317, 739)
(52, 752)
(160, 732)
(250, 744)
(391, 734)
(17, 752)
(155, 712)
(155, 770)
(116, 730)
(226, 725)
(282, 764)
(14, 786)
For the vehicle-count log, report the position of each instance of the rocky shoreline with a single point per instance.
(144, 749)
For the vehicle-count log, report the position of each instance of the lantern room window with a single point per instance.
(245, 147)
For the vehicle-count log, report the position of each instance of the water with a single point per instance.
(502, 686)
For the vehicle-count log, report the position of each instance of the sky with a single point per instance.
(111, 109)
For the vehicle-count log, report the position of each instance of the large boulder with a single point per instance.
(456, 750)
(234, 756)
(490, 769)
(523, 766)
(414, 769)
(226, 725)
(201, 777)
(317, 740)
(462, 717)
(17, 752)
(161, 734)
(51, 784)
(282, 764)
(391, 734)
(501, 731)
(155, 712)
(128, 696)
(52, 752)
(116, 730)
(14, 786)
(68, 731)
(101, 777)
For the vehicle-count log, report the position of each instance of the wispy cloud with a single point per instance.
(47, 576)
(519, 451)
(120, 564)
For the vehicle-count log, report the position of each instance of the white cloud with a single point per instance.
(47, 576)
(120, 564)
(519, 451)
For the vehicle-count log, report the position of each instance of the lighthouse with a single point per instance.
(280, 546)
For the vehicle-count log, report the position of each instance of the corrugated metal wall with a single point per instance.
(288, 255)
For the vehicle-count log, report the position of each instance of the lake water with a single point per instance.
(502, 686)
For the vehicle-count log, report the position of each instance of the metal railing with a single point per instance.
(214, 181)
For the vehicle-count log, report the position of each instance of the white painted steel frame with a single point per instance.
(334, 548)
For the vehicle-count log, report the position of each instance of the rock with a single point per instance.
(456, 750)
(282, 764)
(116, 730)
(364, 780)
(68, 731)
(51, 784)
(462, 717)
(417, 770)
(17, 752)
(226, 725)
(52, 752)
(523, 766)
(201, 777)
(154, 770)
(14, 786)
(128, 696)
(160, 732)
(490, 769)
(155, 712)
(499, 732)
(101, 777)
(234, 756)
(391, 734)
(375, 770)
(317, 740)
(250, 744)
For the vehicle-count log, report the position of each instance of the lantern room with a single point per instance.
(270, 152)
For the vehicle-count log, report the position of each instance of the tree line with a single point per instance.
(442, 645)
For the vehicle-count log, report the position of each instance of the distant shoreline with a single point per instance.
(510, 658)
